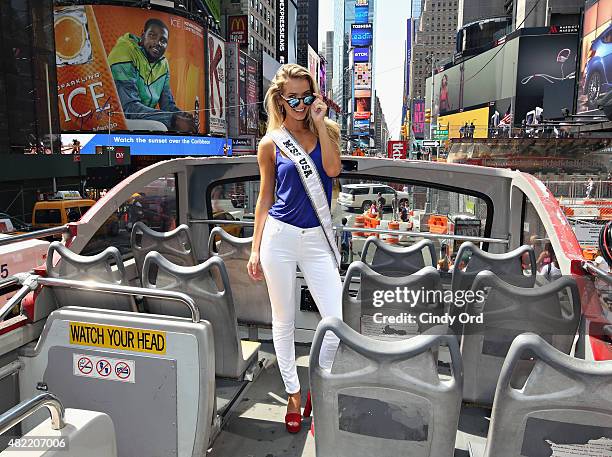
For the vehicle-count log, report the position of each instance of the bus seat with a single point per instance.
(175, 245)
(384, 398)
(232, 356)
(364, 312)
(153, 375)
(105, 267)
(508, 266)
(564, 406)
(551, 311)
(251, 298)
(391, 260)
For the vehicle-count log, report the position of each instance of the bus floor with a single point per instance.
(256, 426)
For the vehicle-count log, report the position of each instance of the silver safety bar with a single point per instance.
(34, 235)
(25, 409)
(339, 229)
(14, 301)
(590, 268)
(125, 290)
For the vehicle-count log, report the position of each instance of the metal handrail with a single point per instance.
(13, 301)
(10, 281)
(25, 409)
(590, 268)
(124, 290)
(34, 235)
(340, 228)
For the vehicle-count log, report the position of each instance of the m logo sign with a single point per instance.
(238, 31)
(397, 149)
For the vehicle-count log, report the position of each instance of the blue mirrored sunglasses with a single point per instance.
(294, 102)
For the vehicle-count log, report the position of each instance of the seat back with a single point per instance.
(391, 260)
(175, 245)
(564, 407)
(153, 375)
(384, 398)
(508, 266)
(105, 267)
(371, 314)
(251, 298)
(551, 311)
(215, 305)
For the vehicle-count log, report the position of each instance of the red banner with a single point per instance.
(397, 149)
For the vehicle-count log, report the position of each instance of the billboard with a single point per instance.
(408, 54)
(595, 71)
(323, 77)
(232, 49)
(149, 145)
(362, 14)
(418, 118)
(251, 96)
(217, 103)
(362, 2)
(361, 126)
(238, 29)
(286, 31)
(397, 149)
(313, 64)
(363, 107)
(242, 93)
(363, 76)
(361, 55)
(361, 35)
(122, 68)
(479, 117)
(546, 75)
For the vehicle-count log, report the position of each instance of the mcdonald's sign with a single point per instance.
(237, 27)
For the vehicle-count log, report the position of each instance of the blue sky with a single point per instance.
(390, 36)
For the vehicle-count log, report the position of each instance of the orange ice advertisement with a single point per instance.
(122, 68)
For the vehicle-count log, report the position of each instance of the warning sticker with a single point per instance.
(122, 338)
(601, 447)
(91, 366)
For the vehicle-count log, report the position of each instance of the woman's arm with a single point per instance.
(266, 159)
(329, 152)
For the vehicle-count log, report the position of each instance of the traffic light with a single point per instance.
(403, 131)
(428, 116)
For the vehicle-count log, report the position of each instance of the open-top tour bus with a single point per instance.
(152, 340)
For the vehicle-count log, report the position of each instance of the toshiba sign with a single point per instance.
(397, 149)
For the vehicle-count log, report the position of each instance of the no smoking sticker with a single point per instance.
(91, 366)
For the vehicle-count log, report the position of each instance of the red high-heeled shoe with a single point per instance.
(308, 406)
(293, 422)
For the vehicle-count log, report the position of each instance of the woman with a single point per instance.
(444, 104)
(287, 230)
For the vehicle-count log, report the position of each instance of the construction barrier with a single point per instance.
(371, 222)
(359, 223)
(392, 238)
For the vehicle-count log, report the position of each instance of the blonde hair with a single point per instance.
(273, 100)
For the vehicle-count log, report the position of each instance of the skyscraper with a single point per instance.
(328, 49)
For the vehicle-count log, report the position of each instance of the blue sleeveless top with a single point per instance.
(292, 204)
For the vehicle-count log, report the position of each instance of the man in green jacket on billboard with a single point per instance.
(142, 77)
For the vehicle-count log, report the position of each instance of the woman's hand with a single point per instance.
(318, 110)
(254, 267)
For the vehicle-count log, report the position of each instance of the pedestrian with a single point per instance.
(589, 188)
(404, 212)
(346, 243)
(380, 203)
(472, 128)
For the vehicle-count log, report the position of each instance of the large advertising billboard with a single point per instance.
(408, 54)
(545, 75)
(461, 124)
(122, 68)
(149, 145)
(242, 93)
(286, 31)
(217, 104)
(361, 35)
(313, 63)
(238, 29)
(363, 76)
(232, 49)
(418, 118)
(361, 55)
(596, 58)
(362, 14)
(251, 96)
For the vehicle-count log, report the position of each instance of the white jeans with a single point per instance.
(283, 247)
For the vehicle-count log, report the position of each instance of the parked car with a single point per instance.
(361, 196)
(232, 229)
(598, 70)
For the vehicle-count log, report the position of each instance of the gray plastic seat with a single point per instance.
(384, 398)
(392, 260)
(175, 245)
(106, 267)
(251, 298)
(564, 402)
(507, 266)
(362, 312)
(551, 311)
(232, 356)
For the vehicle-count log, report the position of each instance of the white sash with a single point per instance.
(311, 181)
